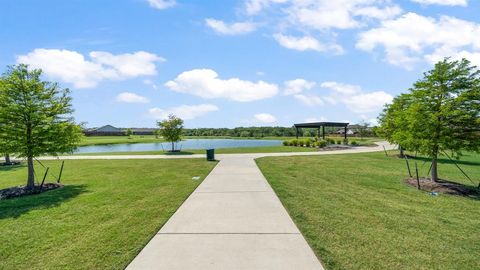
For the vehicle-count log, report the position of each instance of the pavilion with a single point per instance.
(321, 125)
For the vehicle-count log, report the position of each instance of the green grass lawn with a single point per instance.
(101, 219)
(356, 213)
(99, 140)
(239, 150)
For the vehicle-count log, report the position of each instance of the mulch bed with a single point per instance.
(10, 163)
(20, 191)
(444, 186)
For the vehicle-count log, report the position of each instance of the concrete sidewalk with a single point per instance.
(233, 220)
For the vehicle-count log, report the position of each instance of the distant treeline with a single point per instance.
(257, 132)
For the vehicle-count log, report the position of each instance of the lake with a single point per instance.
(183, 145)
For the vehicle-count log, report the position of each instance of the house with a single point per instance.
(109, 130)
(106, 130)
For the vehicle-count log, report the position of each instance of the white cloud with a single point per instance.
(128, 97)
(73, 67)
(265, 118)
(206, 84)
(186, 112)
(443, 2)
(161, 4)
(297, 86)
(339, 14)
(315, 119)
(355, 98)
(253, 7)
(238, 28)
(309, 100)
(341, 88)
(306, 43)
(413, 38)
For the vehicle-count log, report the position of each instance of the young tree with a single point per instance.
(394, 123)
(441, 113)
(129, 132)
(36, 116)
(171, 129)
(363, 129)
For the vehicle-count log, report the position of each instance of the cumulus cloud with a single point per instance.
(265, 118)
(306, 43)
(309, 100)
(128, 97)
(72, 67)
(355, 98)
(443, 2)
(297, 86)
(205, 83)
(186, 112)
(413, 38)
(253, 7)
(162, 4)
(339, 14)
(238, 28)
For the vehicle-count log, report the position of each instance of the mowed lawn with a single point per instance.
(105, 214)
(356, 213)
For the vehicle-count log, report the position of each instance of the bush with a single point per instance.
(301, 143)
(294, 142)
(307, 143)
(330, 141)
(322, 143)
(354, 143)
(286, 143)
(339, 141)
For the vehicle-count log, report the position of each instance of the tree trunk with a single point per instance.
(434, 169)
(31, 174)
(7, 159)
(173, 146)
(402, 154)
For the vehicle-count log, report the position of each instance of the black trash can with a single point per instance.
(211, 154)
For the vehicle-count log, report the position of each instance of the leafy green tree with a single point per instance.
(440, 113)
(35, 116)
(394, 122)
(129, 132)
(171, 129)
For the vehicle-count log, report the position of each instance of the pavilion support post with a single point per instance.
(345, 136)
(323, 132)
(296, 129)
(318, 133)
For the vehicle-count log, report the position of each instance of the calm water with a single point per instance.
(183, 145)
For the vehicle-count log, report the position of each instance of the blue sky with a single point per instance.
(235, 63)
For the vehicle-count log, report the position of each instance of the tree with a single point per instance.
(394, 122)
(171, 129)
(36, 116)
(129, 132)
(363, 129)
(440, 113)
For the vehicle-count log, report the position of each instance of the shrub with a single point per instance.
(301, 143)
(307, 143)
(286, 143)
(322, 143)
(339, 141)
(353, 143)
(294, 142)
(330, 141)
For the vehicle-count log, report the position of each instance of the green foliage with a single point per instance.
(339, 141)
(286, 143)
(330, 141)
(354, 143)
(307, 143)
(322, 143)
(294, 142)
(129, 132)
(35, 118)
(171, 129)
(440, 113)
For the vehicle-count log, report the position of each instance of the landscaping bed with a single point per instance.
(20, 191)
(444, 186)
